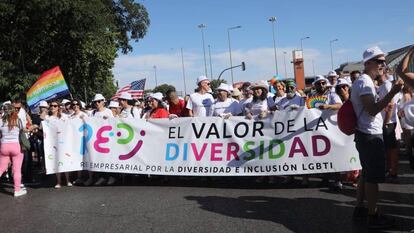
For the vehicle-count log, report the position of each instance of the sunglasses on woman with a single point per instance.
(54, 105)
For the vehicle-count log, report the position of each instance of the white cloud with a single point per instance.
(260, 65)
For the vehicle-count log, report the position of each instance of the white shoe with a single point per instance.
(20, 193)
(69, 184)
(58, 186)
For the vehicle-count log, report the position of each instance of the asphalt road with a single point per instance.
(195, 205)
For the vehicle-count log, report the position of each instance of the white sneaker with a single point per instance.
(69, 184)
(20, 193)
(58, 186)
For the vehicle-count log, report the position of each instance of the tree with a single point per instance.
(82, 37)
(215, 83)
(163, 88)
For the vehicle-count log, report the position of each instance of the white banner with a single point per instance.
(288, 142)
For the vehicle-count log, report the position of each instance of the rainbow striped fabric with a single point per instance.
(50, 85)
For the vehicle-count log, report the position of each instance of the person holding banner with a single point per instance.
(224, 106)
(55, 114)
(157, 107)
(127, 104)
(368, 137)
(199, 103)
(114, 107)
(291, 100)
(259, 105)
(323, 89)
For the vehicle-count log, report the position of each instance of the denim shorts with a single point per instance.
(372, 156)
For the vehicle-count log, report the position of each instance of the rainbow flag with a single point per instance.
(50, 85)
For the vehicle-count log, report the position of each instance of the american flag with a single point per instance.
(136, 89)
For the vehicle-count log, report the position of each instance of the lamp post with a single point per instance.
(273, 20)
(155, 73)
(284, 61)
(211, 65)
(202, 26)
(301, 42)
(330, 45)
(231, 62)
(182, 62)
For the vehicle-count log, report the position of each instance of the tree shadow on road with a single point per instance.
(296, 214)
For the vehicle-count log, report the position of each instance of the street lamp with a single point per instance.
(330, 45)
(284, 61)
(231, 62)
(211, 66)
(301, 42)
(202, 26)
(273, 20)
(182, 62)
(155, 72)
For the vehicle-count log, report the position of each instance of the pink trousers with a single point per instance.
(12, 152)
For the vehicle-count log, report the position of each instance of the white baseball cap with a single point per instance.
(223, 87)
(157, 95)
(201, 78)
(98, 97)
(113, 104)
(332, 73)
(125, 96)
(319, 78)
(65, 101)
(343, 81)
(260, 84)
(372, 53)
(43, 104)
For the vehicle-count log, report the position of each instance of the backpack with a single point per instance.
(347, 120)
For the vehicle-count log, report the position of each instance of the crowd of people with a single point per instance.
(377, 96)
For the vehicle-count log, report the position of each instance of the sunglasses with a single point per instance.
(321, 83)
(98, 101)
(54, 105)
(75, 104)
(17, 108)
(379, 61)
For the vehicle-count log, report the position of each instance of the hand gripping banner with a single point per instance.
(303, 141)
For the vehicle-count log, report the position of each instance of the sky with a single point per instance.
(357, 25)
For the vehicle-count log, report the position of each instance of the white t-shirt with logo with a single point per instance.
(256, 107)
(286, 102)
(128, 113)
(105, 113)
(200, 104)
(365, 123)
(228, 106)
(382, 92)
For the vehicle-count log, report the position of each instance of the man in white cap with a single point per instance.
(200, 102)
(368, 136)
(127, 106)
(332, 77)
(323, 88)
(224, 106)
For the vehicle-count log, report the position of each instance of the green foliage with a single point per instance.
(82, 37)
(163, 88)
(215, 83)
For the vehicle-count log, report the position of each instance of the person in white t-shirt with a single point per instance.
(247, 96)
(114, 107)
(259, 106)
(200, 103)
(224, 106)
(66, 108)
(389, 116)
(128, 109)
(332, 76)
(368, 136)
(100, 109)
